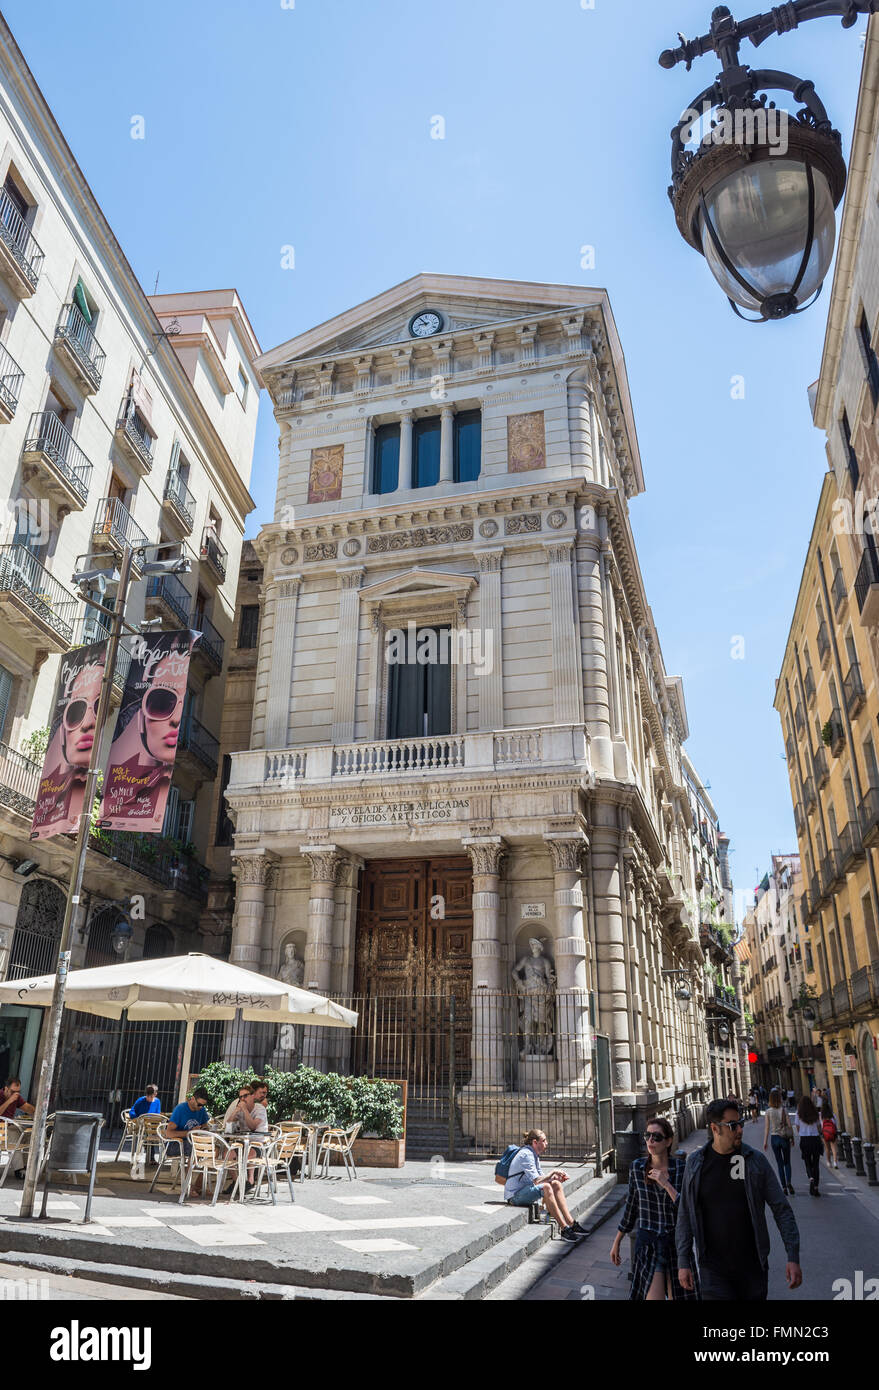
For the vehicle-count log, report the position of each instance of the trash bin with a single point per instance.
(73, 1149)
(628, 1146)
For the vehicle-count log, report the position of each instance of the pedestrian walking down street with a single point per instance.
(778, 1128)
(808, 1127)
(651, 1206)
(829, 1131)
(721, 1213)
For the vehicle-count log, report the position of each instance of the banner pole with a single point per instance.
(71, 911)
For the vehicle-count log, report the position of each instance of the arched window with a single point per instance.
(37, 930)
(158, 941)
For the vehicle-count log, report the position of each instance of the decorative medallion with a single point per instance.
(289, 556)
(521, 525)
(526, 446)
(488, 529)
(325, 479)
(557, 520)
(351, 547)
(324, 550)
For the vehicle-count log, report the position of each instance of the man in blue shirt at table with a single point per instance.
(189, 1114)
(147, 1104)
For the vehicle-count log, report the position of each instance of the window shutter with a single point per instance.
(169, 824)
(175, 457)
(439, 696)
(5, 697)
(81, 302)
(184, 821)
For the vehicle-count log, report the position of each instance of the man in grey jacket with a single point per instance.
(721, 1210)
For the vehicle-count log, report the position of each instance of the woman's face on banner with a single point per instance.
(80, 714)
(160, 714)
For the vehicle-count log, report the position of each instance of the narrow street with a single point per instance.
(839, 1236)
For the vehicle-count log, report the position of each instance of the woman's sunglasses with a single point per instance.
(653, 1136)
(160, 702)
(76, 711)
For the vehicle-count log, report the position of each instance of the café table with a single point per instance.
(243, 1143)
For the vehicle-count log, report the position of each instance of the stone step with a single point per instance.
(478, 1277)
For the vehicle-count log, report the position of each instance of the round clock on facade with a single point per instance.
(425, 324)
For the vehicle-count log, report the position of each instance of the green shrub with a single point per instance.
(315, 1095)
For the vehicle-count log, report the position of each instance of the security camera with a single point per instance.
(149, 624)
(96, 579)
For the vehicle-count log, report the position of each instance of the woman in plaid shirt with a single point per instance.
(654, 1185)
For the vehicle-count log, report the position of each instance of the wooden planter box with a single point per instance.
(379, 1153)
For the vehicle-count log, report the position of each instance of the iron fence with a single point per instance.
(481, 1069)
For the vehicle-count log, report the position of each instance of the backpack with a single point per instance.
(828, 1129)
(502, 1167)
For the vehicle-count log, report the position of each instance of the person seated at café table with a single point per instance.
(255, 1119)
(233, 1122)
(11, 1100)
(147, 1104)
(188, 1115)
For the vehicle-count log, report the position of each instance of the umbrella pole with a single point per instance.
(187, 1058)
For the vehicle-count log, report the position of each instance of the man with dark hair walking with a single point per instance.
(721, 1211)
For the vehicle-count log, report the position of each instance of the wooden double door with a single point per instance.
(412, 958)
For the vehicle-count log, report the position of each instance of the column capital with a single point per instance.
(559, 552)
(326, 862)
(257, 867)
(567, 851)
(489, 560)
(351, 578)
(486, 853)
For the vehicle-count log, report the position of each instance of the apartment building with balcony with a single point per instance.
(827, 695)
(123, 420)
(779, 994)
(457, 459)
(712, 909)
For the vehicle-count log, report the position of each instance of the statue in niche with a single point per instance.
(288, 1039)
(535, 980)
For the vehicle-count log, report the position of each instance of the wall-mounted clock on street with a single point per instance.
(425, 323)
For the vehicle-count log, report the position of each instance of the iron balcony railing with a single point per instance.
(865, 986)
(178, 494)
(725, 996)
(46, 435)
(809, 794)
(868, 574)
(823, 642)
(829, 872)
(798, 718)
(869, 810)
(791, 753)
(114, 522)
(144, 856)
(19, 781)
(837, 588)
(806, 907)
(195, 738)
(139, 437)
(840, 997)
(22, 574)
(11, 378)
(814, 892)
(819, 765)
(74, 330)
(168, 589)
(824, 1007)
(809, 684)
(212, 645)
(853, 688)
(799, 819)
(836, 732)
(95, 627)
(213, 552)
(851, 846)
(17, 236)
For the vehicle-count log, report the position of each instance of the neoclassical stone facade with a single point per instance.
(457, 459)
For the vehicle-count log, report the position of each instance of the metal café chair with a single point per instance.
(164, 1144)
(130, 1127)
(14, 1139)
(213, 1157)
(289, 1145)
(147, 1138)
(338, 1141)
(303, 1149)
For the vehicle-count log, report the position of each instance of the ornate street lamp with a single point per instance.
(754, 188)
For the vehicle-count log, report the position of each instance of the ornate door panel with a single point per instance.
(413, 954)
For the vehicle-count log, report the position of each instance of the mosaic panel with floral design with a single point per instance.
(526, 446)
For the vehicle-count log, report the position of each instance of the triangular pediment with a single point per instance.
(418, 583)
(463, 302)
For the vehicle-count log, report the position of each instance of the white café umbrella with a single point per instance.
(185, 988)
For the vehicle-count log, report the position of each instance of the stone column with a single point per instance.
(407, 458)
(565, 657)
(491, 681)
(610, 949)
(488, 1023)
(325, 861)
(280, 681)
(253, 873)
(596, 698)
(447, 441)
(572, 998)
(344, 924)
(345, 686)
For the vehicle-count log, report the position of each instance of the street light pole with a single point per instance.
(71, 911)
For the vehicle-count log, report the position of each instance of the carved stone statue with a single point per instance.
(292, 970)
(535, 982)
(288, 1039)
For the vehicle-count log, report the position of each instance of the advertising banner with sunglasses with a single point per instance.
(144, 746)
(71, 736)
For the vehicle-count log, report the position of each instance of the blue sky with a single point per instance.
(310, 126)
